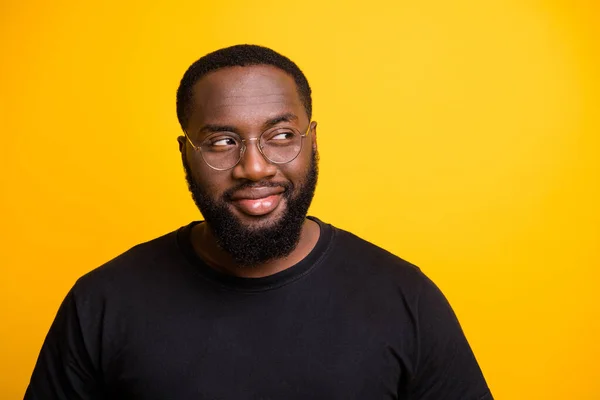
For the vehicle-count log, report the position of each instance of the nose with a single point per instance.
(253, 165)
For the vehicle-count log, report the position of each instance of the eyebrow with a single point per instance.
(286, 117)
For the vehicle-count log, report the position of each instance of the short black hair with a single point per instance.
(239, 55)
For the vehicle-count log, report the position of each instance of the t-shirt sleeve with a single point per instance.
(64, 369)
(445, 367)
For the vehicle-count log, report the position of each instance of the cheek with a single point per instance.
(297, 170)
(212, 186)
(213, 183)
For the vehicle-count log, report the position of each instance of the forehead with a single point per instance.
(244, 95)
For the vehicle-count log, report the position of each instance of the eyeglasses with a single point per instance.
(224, 150)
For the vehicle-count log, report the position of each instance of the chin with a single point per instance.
(257, 222)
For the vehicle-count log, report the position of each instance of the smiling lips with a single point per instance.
(257, 201)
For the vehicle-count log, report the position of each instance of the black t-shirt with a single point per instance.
(350, 321)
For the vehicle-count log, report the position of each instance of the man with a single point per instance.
(258, 301)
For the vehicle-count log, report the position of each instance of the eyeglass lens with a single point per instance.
(224, 151)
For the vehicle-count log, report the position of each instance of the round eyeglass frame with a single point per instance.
(243, 148)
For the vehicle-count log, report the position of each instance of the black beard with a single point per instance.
(250, 246)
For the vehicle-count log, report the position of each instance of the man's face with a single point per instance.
(257, 208)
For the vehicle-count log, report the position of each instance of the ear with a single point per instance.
(181, 141)
(314, 135)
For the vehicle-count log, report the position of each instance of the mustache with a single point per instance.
(287, 186)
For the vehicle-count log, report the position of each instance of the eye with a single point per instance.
(280, 136)
(223, 141)
(219, 143)
(285, 135)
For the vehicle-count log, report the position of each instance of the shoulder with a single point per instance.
(141, 262)
(374, 275)
(381, 278)
(371, 261)
(387, 286)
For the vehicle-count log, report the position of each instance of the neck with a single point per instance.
(205, 245)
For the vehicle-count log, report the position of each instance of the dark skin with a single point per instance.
(248, 100)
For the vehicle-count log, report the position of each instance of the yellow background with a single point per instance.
(463, 135)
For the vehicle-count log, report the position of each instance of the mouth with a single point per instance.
(257, 201)
(258, 207)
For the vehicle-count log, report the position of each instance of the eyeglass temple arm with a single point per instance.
(190, 140)
(308, 129)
